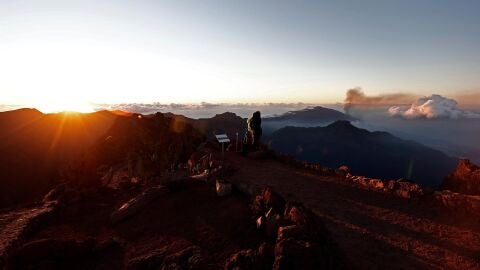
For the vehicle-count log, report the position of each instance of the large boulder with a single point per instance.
(301, 240)
(464, 179)
(307, 223)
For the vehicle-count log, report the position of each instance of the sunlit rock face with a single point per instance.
(464, 179)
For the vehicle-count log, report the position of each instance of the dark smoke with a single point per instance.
(356, 97)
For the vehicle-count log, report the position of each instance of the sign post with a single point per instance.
(236, 143)
(222, 139)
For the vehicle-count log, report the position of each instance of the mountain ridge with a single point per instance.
(374, 154)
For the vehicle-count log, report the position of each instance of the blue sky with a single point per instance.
(74, 52)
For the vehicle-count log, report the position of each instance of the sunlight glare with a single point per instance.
(65, 106)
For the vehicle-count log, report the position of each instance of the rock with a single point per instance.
(391, 186)
(260, 222)
(377, 184)
(464, 179)
(273, 199)
(200, 161)
(272, 222)
(64, 194)
(342, 171)
(258, 206)
(193, 161)
(408, 190)
(260, 259)
(291, 231)
(308, 224)
(55, 193)
(267, 252)
(243, 260)
(119, 178)
(188, 258)
(459, 202)
(223, 188)
(298, 214)
(135, 180)
(362, 181)
(201, 176)
(136, 204)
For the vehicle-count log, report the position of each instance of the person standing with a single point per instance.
(255, 129)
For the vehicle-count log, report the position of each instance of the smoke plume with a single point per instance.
(356, 97)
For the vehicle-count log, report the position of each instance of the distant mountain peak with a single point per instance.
(226, 115)
(312, 114)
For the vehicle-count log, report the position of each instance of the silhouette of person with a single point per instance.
(255, 128)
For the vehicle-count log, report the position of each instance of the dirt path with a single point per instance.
(374, 230)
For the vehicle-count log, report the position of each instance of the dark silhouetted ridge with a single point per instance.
(375, 154)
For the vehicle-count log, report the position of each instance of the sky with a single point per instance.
(68, 54)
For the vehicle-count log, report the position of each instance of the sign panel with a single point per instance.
(222, 138)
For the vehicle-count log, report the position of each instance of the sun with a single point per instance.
(65, 106)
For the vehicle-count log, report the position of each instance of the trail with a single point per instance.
(373, 230)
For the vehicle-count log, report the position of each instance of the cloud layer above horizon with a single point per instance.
(205, 109)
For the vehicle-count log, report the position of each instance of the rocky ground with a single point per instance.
(188, 223)
(373, 230)
(178, 222)
(271, 215)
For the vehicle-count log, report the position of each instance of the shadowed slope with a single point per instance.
(35, 147)
(374, 154)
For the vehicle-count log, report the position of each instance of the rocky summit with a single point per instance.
(153, 192)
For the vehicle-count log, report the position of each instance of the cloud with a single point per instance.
(205, 109)
(430, 107)
(356, 97)
(4, 108)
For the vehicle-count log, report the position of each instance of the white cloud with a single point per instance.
(434, 106)
(204, 109)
